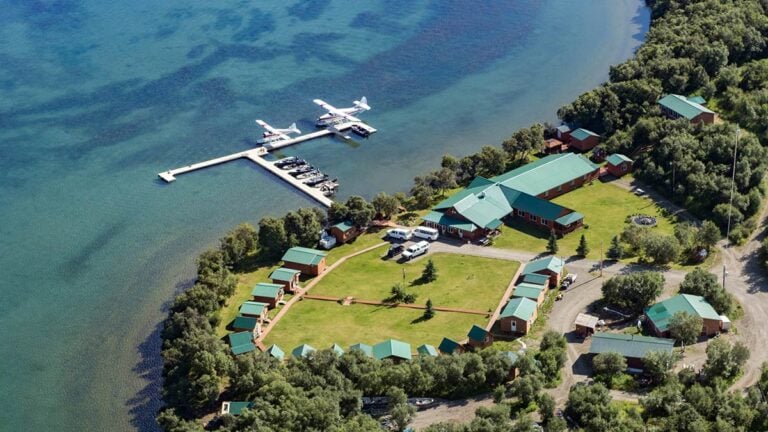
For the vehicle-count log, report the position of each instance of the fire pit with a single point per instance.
(644, 220)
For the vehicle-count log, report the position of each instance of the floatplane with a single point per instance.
(272, 134)
(336, 116)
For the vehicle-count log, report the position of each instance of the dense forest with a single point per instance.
(713, 48)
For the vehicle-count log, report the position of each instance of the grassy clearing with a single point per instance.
(322, 323)
(463, 281)
(372, 237)
(605, 208)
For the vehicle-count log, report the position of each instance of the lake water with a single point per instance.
(96, 97)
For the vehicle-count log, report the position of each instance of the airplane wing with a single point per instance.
(267, 127)
(326, 106)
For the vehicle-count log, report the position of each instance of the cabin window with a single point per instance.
(519, 212)
(560, 188)
(546, 194)
(623, 167)
(544, 221)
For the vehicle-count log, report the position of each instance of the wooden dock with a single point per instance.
(313, 193)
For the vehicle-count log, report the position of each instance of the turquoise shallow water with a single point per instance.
(96, 97)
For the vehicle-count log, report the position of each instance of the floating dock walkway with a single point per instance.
(256, 155)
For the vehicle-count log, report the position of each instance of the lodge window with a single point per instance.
(544, 221)
(519, 212)
(534, 218)
(573, 182)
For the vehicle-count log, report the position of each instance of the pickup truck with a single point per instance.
(415, 250)
(568, 280)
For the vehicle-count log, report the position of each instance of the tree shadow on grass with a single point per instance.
(421, 319)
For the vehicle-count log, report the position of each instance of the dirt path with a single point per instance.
(458, 411)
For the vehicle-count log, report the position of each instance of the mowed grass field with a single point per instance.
(323, 323)
(605, 208)
(463, 281)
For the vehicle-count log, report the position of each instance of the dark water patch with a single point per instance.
(146, 403)
(307, 46)
(77, 263)
(196, 51)
(377, 23)
(216, 95)
(227, 19)
(307, 10)
(165, 31)
(259, 23)
(44, 17)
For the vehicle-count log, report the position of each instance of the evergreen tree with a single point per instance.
(430, 272)
(552, 244)
(583, 248)
(616, 251)
(429, 312)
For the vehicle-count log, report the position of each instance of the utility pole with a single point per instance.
(601, 258)
(730, 202)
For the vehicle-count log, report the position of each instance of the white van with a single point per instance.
(399, 234)
(415, 250)
(426, 233)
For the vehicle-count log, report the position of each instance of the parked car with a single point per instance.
(568, 280)
(415, 250)
(399, 234)
(395, 249)
(426, 233)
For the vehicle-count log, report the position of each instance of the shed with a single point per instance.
(513, 371)
(450, 346)
(584, 139)
(344, 231)
(288, 278)
(338, 350)
(254, 309)
(268, 293)
(241, 342)
(235, 408)
(530, 291)
(247, 323)
(551, 266)
(306, 260)
(366, 349)
(536, 279)
(276, 352)
(427, 351)
(585, 324)
(518, 315)
(632, 347)
(563, 133)
(658, 315)
(479, 337)
(392, 349)
(553, 146)
(302, 351)
(617, 164)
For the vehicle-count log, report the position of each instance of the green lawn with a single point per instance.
(605, 208)
(372, 237)
(322, 323)
(463, 281)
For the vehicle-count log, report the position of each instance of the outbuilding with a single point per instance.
(658, 315)
(241, 342)
(479, 337)
(634, 348)
(553, 146)
(235, 408)
(364, 348)
(551, 266)
(617, 164)
(254, 309)
(274, 351)
(585, 324)
(306, 260)
(427, 351)
(344, 232)
(302, 351)
(288, 278)
(392, 349)
(584, 140)
(692, 109)
(268, 293)
(450, 346)
(530, 291)
(247, 323)
(563, 133)
(518, 316)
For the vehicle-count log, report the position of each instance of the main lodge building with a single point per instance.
(522, 194)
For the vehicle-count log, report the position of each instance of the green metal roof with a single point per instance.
(236, 408)
(448, 346)
(536, 279)
(284, 274)
(617, 159)
(367, 349)
(476, 186)
(241, 342)
(337, 349)
(581, 134)
(569, 218)
(245, 323)
(304, 256)
(528, 291)
(302, 350)
(441, 219)
(392, 348)
(531, 204)
(634, 346)
(268, 290)
(427, 350)
(520, 307)
(547, 173)
(551, 263)
(661, 312)
(683, 106)
(276, 352)
(344, 226)
(252, 308)
(477, 333)
(697, 99)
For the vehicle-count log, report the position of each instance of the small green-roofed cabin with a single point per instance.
(479, 337)
(302, 351)
(635, 348)
(337, 349)
(530, 291)
(241, 342)
(659, 314)
(583, 140)
(344, 231)
(268, 293)
(617, 164)
(427, 351)
(288, 278)
(535, 279)
(235, 408)
(692, 109)
(366, 349)
(450, 346)
(518, 316)
(551, 266)
(254, 309)
(392, 349)
(306, 260)
(276, 352)
(247, 323)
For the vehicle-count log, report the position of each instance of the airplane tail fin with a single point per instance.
(294, 129)
(363, 103)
